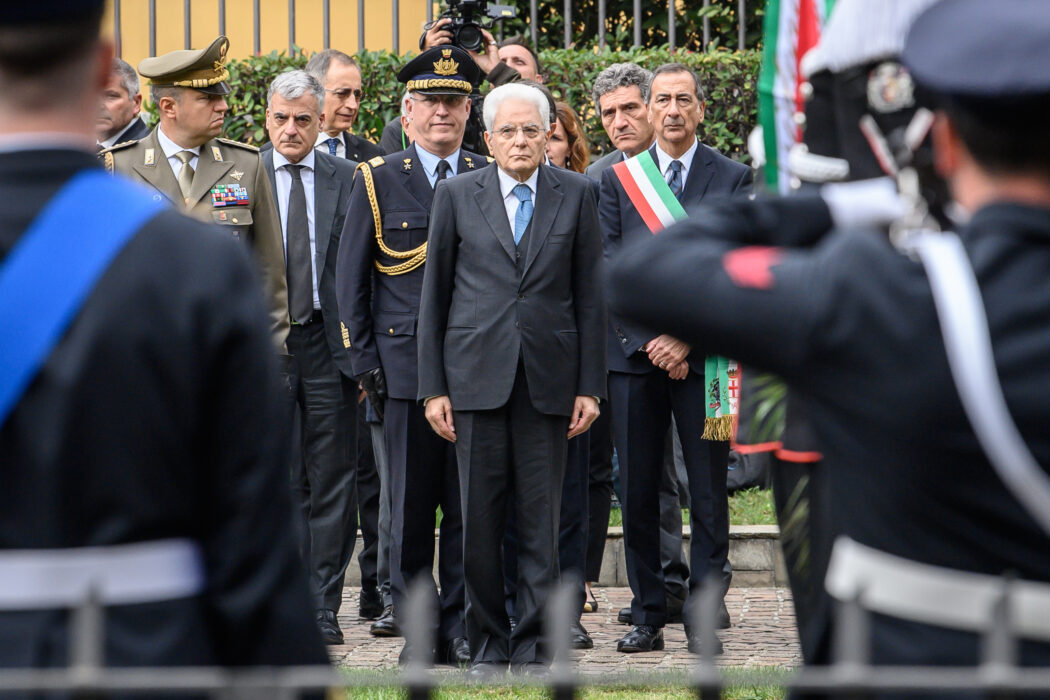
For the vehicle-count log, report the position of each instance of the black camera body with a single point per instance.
(466, 24)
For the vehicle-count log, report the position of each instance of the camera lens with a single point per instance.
(469, 37)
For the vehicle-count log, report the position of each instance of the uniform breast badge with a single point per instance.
(237, 175)
(229, 196)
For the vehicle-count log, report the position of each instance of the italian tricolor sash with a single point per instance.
(659, 208)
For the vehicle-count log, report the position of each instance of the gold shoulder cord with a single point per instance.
(108, 158)
(416, 256)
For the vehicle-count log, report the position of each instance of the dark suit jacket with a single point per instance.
(333, 180)
(136, 129)
(595, 169)
(380, 310)
(711, 175)
(478, 315)
(166, 384)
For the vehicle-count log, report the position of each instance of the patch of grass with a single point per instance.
(670, 686)
(752, 506)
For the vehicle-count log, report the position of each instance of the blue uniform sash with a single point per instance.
(52, 269)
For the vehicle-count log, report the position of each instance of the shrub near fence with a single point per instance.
(729, 80)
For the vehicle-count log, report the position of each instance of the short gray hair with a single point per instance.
(321, 61)
(129, 79)
(620, 75)
(515, 91)
(404, 102)
(293, 84)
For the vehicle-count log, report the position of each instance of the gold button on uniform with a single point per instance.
(391, 331)
(404, 224)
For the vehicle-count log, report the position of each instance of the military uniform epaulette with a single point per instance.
(245, 146)
(377, 161)
(489, 159)
(118, 146)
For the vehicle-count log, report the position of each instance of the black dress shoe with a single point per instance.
(579, 637)
(370, 605)
(724, 622)
(486, 670)
(624, 616)
(386, 625)
(694, 645)
(407, 654)
(330, 632)
(641, 638)
(454, 652)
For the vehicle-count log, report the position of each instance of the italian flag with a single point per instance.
(791, 28)
(648, 191)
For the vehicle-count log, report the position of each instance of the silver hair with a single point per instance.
(129, 79)
(293, 84)
(321, 61)
(620, 75)
(513, 91)
(404, 102)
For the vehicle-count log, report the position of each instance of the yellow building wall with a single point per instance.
(240, 23)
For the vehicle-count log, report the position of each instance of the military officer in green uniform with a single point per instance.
(210, 178)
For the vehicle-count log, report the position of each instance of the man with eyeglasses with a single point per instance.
(341, 77)
(512, 362)
(379, 276)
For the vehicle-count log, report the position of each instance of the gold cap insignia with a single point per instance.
(149, 157)
(237, 175)
(216, 154)
(445, 65)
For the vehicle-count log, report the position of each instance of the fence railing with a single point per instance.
(395, 23)
(850, 674)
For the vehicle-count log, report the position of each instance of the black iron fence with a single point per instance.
(851, 674)
(395, 22)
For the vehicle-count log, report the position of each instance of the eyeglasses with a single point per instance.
(344, 94)
(508, 133)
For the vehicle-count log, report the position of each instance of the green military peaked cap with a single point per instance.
(200, 69)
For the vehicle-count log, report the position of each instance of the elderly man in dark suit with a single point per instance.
(653, 376)
(118, 116)
(312, 191)
(512, 360)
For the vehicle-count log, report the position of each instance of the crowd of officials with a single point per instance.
(445, 349)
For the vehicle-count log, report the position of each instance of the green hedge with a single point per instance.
(729, 78)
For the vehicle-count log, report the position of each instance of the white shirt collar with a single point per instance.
(170, 148)
(664, 160)
(507, 183)
(429, 161)
(322, 139)
(279, 161)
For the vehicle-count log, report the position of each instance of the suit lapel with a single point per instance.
(326, 194)
(209, 171)
(415, 178)
(548, 191)
(701, 171)
(159, 174)
(267, 159)
(490, 201)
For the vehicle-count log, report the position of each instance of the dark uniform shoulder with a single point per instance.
(109, 159)
(238, 144)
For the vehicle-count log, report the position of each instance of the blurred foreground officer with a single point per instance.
(313, 191)
(511, 361)
(214, 179)
(380, 275)
(140, 410)
(850, 322)
(118, 117)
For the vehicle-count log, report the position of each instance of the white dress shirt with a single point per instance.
(170, 148)
(284, 189)
(322, 143)
(510, 200)
(429, 161)
(663, 161)
(119, 138)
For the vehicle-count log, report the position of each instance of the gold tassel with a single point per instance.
(719, 429)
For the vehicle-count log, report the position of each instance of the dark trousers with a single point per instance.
(673, 497)
(513, 454)
(383, 548)
(423, 477)
(642, 407)
(323, 469)
(600, 491)
(368, 485)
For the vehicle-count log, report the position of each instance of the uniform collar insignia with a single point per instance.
(408, 164)
(216, 154)
(445, 65)
(149, 157)
(469, 162)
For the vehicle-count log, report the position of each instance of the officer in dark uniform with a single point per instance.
(850, 323)
(142, 456)
(379, 277)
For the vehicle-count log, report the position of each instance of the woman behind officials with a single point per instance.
(567, 146)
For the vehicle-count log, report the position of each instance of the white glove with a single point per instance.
(864, 203)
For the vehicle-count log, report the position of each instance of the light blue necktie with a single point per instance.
(333, 143)
(524, 213)
(675, 181)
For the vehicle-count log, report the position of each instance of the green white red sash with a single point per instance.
(659, 208)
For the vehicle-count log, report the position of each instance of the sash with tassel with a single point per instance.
(659, 208)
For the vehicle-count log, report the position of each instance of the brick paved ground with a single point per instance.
(763, 634)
